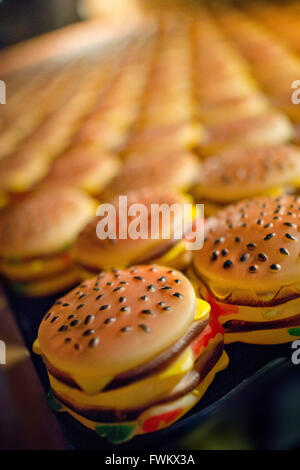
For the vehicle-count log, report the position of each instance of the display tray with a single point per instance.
(248, 365)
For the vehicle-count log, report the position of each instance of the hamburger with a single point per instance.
(269, 128)
(248, 269)
(93, 253)
(245, 173)
(85, 167)
(35, 238)
(173, 170)
(130, 351)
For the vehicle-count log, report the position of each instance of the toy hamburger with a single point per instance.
(270, 128)
(85, 167)
(130, 351)
(249, 269)
(173, 170)
(35, 236)
(242, 174)
(93, 253)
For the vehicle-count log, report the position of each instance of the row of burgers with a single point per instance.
(176, 117)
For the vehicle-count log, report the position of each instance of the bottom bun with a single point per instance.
(153, 419)
(45, 287)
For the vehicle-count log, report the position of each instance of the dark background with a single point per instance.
(22, 19)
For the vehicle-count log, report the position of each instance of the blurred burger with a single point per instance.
(35, 237)
(85, 167)
(172, 170)
(242, 174)
(270, 128)
(94, 252)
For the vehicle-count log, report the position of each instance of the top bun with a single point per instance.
(117, 321)
(97, 254)
(245, 173)
(270, 128)
(252, 246)
(176, 170)
(44, 222)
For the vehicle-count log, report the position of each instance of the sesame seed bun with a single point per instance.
(21, 170)
(232, 108)
(270, 128)
(251, 252)
(174, 170)
(95, 254)
(44, 222)
(165, 137)
(117, 321)
(246, 173)
(85, 167)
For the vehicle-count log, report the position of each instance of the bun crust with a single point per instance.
(117, 320)
(245, 173)
(175, 170)
(252, 246)
(92, 252)
(45, 222)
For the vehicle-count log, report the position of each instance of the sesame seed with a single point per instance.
(151, 287)
(228, 263)
(284, 251)
(253, 268)
(224, 252)
(104, 307)
(109, 320)
(125, 308)
(74, 322)
(94, 342)
(214, 255)
(88, 332)
(177, 294)
(275, 267)
(125, 329)
(262, 257)
(88, 319)
(144, 297)
(138, 278)
(99, 296)
(244, 257)
(269, 236)
(80, 306)
(122, 299)
(289, 224)
(145, 328)
(251, 246)
(63, 328)
(289, 236)
(147, 312)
